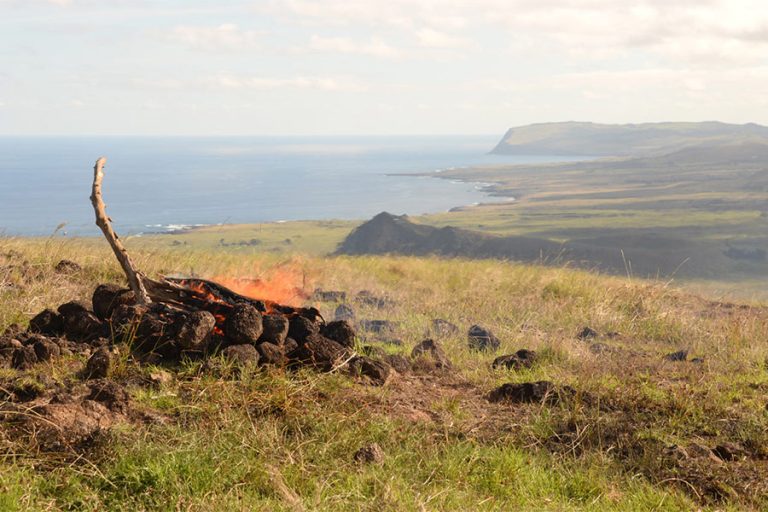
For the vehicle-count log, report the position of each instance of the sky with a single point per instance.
(378, 67)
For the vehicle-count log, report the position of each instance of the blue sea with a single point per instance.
(156, 184)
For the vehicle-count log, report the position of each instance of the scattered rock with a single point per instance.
(443, 328)
(344, 312)
(24, 358)
(329, 295)
(367, 298)
(680, 355)
(269, 353)
(67, 267)
(302, 328)
(290, 345)
(46, 349)
(378, 326)
(195, 329)
(341, 332)
(99, 365)
(109, 393)
(275, 329)
(78, 321)
(244, 325)
(109, 296)
(587, 333)
(369, 454)
(398, 362)
(58, 426)
(319, 352)
(523, 358)
(377, 372)
(431, 351)
(47, 322)
(243, 355)
(482, 339)
(542, 391)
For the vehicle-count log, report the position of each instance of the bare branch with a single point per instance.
(135, 278)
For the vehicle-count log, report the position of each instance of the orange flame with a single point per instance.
(285, 285)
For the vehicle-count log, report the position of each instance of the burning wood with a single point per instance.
(170, 317)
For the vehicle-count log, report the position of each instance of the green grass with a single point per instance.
(271, 440)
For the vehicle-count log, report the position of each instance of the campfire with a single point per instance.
(170, 318)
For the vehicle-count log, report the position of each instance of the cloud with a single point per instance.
(226, 36)
(301, 82)
(374, 48)
(432, 38)
(696, 32)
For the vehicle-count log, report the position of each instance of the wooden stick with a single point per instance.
(135, 278)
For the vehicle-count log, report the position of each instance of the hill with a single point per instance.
(639, 254)
(593, 139)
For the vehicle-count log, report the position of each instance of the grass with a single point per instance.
(267, 439)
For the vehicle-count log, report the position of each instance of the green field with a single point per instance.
(636, 437)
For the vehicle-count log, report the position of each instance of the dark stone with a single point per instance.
(443, 328)
(269, 353)
(79, 323)
(275, 329)
(344, 312)
(126, 316)
(523, 358)
(244, 354)
(370, 454)
(542, 391)
(329, 295)
(12, 331)
(587, 333)
(109, 393)
(697, 360)
(431, 351)
(680, 355)
(378, 326)
(194, 330)
(8, 346)
(244, 325)
(67, 267)
(319, 352)
(99, 365)
(289, 345)
(107, 297)
(46, 349)
(398, 362)
(377, 372)
(367, 298)
(47, 322)
(341, 332)
(302, 328)
(483, 339)
(24, 358)
(729, 451)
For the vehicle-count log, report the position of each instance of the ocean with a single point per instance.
(156, 184)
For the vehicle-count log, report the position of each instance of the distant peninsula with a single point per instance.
(646, 139)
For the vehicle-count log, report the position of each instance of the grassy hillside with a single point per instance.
(594, 139)
(637, 435)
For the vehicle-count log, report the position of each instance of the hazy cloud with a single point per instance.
(227, 36)
(374, 47)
